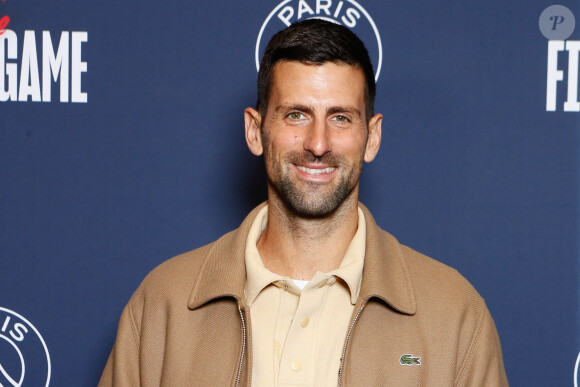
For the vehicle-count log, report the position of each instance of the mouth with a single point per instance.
(315, 171)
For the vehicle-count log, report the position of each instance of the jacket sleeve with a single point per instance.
(122, 368)
(483, 365)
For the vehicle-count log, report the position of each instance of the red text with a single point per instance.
(4, 23)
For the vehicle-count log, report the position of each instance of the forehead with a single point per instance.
(314, 84)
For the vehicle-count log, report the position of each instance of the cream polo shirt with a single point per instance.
(298, 334)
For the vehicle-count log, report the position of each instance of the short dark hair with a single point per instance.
(315, 42)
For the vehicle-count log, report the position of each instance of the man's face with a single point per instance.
(314, 136)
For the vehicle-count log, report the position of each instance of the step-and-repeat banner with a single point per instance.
(122, 145)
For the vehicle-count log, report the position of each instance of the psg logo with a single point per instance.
(24, 358)
(348, 13)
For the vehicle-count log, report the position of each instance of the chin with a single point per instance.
(310, 210)
(314, 205)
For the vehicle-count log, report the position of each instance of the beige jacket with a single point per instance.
(417, 322)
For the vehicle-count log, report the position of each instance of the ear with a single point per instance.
(253, 120)
(374, 140)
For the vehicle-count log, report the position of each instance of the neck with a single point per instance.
(298, 247)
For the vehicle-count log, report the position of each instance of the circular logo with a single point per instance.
(557, 22)
(24, 358)
(348, 13)
(576, 371)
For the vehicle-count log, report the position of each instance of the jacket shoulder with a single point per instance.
(432, 278)
(174, 278)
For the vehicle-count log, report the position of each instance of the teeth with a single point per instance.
(315, 171)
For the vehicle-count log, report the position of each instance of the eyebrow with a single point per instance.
(344, 109)
(309, 109)
(287, 108)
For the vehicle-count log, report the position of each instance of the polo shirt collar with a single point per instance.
(385, 274)
(351, 267)
(258, 276)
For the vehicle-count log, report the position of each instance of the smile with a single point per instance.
(311, 171)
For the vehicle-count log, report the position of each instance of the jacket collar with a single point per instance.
(385, 274)
(223, 273)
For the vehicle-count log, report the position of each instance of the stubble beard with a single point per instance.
(315, 200)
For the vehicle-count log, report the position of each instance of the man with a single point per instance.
(309, 291)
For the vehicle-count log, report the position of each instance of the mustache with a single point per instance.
(300, 158)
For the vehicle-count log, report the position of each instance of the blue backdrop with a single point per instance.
(140, 155)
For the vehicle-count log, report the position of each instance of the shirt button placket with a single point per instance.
(296, 365)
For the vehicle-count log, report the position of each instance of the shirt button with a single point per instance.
(296, 365)
(304, 322)
(320, 285)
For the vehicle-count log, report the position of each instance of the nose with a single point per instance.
(317, 139)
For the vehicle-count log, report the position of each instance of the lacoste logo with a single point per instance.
(410, 360)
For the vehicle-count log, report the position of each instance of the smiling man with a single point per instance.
(309, 291)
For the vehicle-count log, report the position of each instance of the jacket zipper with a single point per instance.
(239, 375)
(341, 369)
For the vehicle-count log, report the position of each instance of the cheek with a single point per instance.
(272, 150)
(284, 141)
(350, 145)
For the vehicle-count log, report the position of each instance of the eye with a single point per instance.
(340, 118)
(296, 116)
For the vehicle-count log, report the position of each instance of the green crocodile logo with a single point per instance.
(410, 360)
